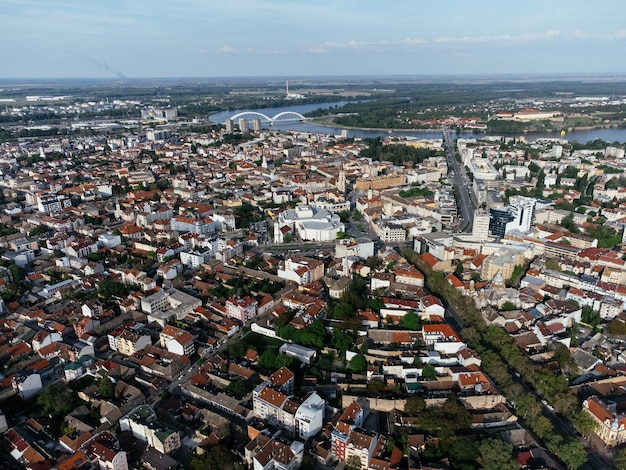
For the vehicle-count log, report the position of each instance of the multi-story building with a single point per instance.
(189, 224)
(160, 362)
(267, 453)
(127, 341)
(177, 341)
(301, 270)
(361, 445)
(242, 309)
(303, 420)
(409, 276)
(480, 227)
(351, 418)
(390, 232)
(611, 422)
(282, 380)
(103, 450)
(81, 247)
(49, 203)
(143, 424)
(164, 304)
(194, 258)
(309, 417)
(26, 384)
(518, 215)
(310, 223)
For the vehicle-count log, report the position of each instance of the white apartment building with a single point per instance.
(242, 309)
(177, 341)
(301, 270)
(103, 450)
(143, 424)
(309, 417)
(390, 232)
(189, 224)
(194, 258)
(303, 420)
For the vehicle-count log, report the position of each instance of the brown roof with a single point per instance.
(273, 397)
(281, 377)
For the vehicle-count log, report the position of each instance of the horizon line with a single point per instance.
(607, 75)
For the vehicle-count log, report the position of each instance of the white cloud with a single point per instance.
(502, 40)
(616, 36)
(228, 49)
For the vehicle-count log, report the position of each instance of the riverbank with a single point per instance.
(324, 123)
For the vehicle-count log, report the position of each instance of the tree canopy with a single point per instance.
(56, 400)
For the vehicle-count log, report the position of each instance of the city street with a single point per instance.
(462, 183)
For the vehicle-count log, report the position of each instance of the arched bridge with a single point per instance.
(285, 116)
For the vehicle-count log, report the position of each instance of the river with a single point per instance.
(581, 136)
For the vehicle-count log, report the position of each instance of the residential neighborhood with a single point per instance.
(275, 299)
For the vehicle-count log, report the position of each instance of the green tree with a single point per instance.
(105, 388)
(108, 288)
(410, 321)
(95, 257)
(341, 340)
(414, 405)
(358, 364)
(375, 387)
(56, 400)
(343, 310)
(16, 273)
(219, 456)
(236, 349)
(239, 387)
(462, 450)
(572, 453)
(553, 264)
(563, 356)
(569, 223)
(39, 230)
(271, 360)
(429, 371)
(590, 316)
(584, 423)
(616, 327)
(495, 454)
(353, 463)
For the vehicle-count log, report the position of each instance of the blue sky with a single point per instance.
(282, 38)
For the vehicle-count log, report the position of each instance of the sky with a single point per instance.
(283, 38)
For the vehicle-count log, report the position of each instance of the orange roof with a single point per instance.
(273, 397)
(429, 259)
(281, 377)
(453, 280)
(443, 328)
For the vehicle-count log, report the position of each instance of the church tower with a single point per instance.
(341, 181)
